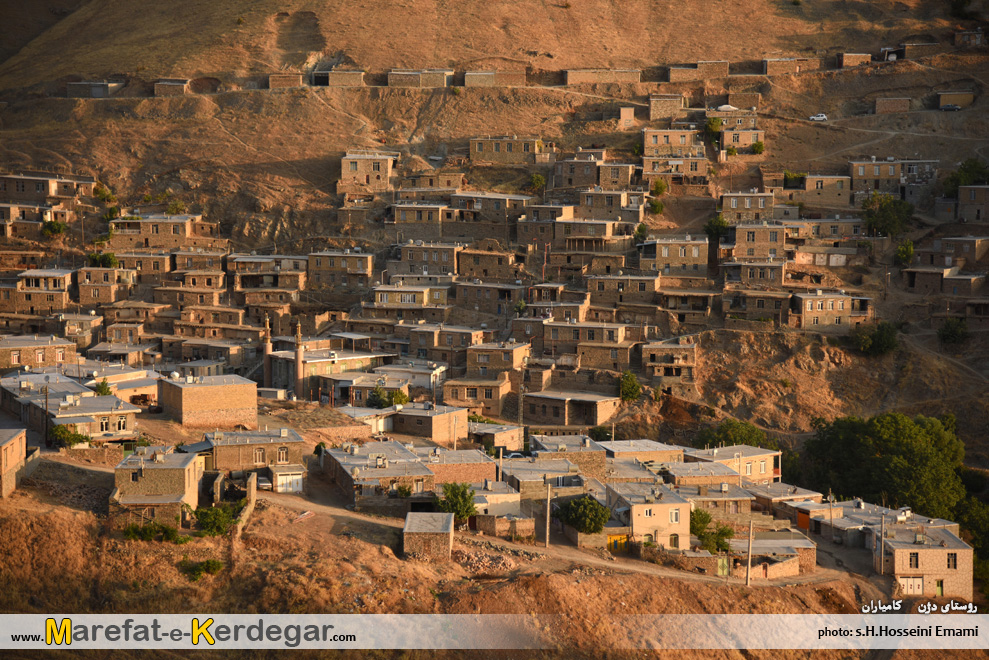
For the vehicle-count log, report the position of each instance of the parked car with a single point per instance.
(515, 454)
(819, 117)
(950, 107)
(264, 483)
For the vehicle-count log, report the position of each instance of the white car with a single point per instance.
(820, 117)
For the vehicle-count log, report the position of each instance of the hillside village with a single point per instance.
(505, 314)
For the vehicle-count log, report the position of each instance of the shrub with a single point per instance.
(520, 307)
(954, 331)
(240, 20)
(112, 213)
(585, 514)
(904, 253)
(154, 531)
(175, 208)
(404, 491)
(656, 207)
(319, 448)
(600, 434)
(641, 233)
(51, 228)
(657, 394)
(537, 182)
(102, 388)
(732, 151)
(103, 260)
(398, 397)
(659, 188)
(195, 570)
(758, 147)
(217, 520)
(629, 387)
(456, 91)
(876, 340)
(61, 435)
(104, 194)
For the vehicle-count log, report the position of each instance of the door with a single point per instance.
(617, 543)
(765, 571)
(939, 588)
(912, 586)
(722, 566)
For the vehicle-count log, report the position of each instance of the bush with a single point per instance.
(629, 387)
(458, 499)
(954, 331)
(398, 397)
(175, 208)
(537, 182)
(877, 340)
(51, 228)
(758, 147)
(103, 260)
(104, 194)
(217, 520)
(971, 172)
(732, 151)
(404, 491)
(600, 434)
(195, 570)
(585, 514)
(659, 188)
(655, 206)
(112, 213)
(154, 531)
(520, 307)
(657, 394)
(456, 91)
(319, 448)
(61, 435)
(641, 233)
(904, 253)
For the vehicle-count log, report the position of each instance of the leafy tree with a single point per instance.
(175, 208)
(217, 520)
(886, 215)
(732, 151)
(889, 459)
(712, 128)
(585, 514)
(904, 253)
(112, 213)
(600, 434)
(954, 331)
(735, 432)
(658, 188)
(699, 520)
(398, 397)
(629, 387)
(378, 398)
(537, 182)
(458, 499)
(716, 227)
(969, 173)
(876, 340)
(641, 233)
(656, 207)
(404, 491)
(103, 260)
(758, 147)
(319, 448)
(102, 388)
(520, 307)
(714, 541)
(62, 435)
(104, 194)
(50, 228)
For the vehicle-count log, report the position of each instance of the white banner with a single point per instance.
(454, 631)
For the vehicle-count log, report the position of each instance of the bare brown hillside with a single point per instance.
(233, 40)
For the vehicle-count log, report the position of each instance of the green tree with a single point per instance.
(319, 449)
(520, 307)
(537, 182)
(954, 331)
(50, 228)
(875, 340)
(61, 435)
(735, 432)
(217, 520)
(658, 188)
(458, 499)
(699, 520)
(716, 227)
(712, 128)
(889, 459)
(175, 208)
(656, 207)
(600, 434)
(713, 540)
(102, 388)
(378, 398)
(641, 233)
(970, 173)
(904, 253)
(103, 260)
(585, 514)
(629, 387)
(732, 151)
(886, 215)
(758, 147)
(398, 398)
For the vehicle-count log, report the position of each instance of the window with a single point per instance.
(39, 356)
(748, 469)
(914, 560)
(134, 476)
(952, 560)
(353, 166)
(614, 354)
(647, 513)
(60, 355)
(762, 467)
(375, 167)
(480, 147)
(121, 423)
(259, 455)
(750, 237)
(471, 392)
(283, 454)
(104, 424)
(674, 541)
(819, 185)
(674, 515)
(15, 357)
(488, 393)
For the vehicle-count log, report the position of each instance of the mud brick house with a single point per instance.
(643, 450)
(428, 535)
(376, 468)
(756, 304)
(814, 190)
(575, 173)
(500, 437)
(457, 466)
(494, 79)
(604, 204)
(748, 272)
(333, 77)
(367, 172)
(690, 169)
(741, 99)
(591, 76)
(154, 484)
(344, 268)
(611, 290)
(441, 343)
(671, 141)
(777, 497)
(151, 267)
(654, 513)
(488, 297)
(581, 409)
(580, 450)
(506, 150)
(210, 401)
(689, 474)
(102, 418)
(487, 207)
(439, 181)
(829, 311)
(408, 303)
(420, 77)
(198, 259)
(784, 65)
(285, 80)
(18, 260)
(164, 231)
(724, 499)
(846, 60)
(954, 251)
(833, 230)
(278, 454)
(666, 106)
(531, 476)
(171, 87)
(699, 71)
(973, 203)
(742, 139)
(760, 240)
(35, 351)
(616, 176)
(754, 463)
(13, 454)
(44, 188)
(426, 258)
(487, 261)
(748, 206)
(671, 363)
(933, 563)
(675, 254)
(38, 291)
(969, 38)
(493, 357)
(733, 119)
(910, 180)
(101, 286)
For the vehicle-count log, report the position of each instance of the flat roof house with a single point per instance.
(278, 453)
(654, 513)
(210, 401)
(155, 484)
(428, 535)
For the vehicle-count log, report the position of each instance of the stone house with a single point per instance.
(420, 77)
(814, 190)
(609, 204)
(531, 476)
(954, 252)
(102, 418)
(101, 286)
(654, 513)
(366, 171)
(506, 150)
(733, 118)
(428, 535)
(973, 203)
(671, 142)
(587, 455)
(748, 206)
(762, 240)
(409, 303)
(691, 169)
(501, 437)
(643, 450)
(829, 311)
(846, 60)
(457, 466)
(749, 272)
(155, 484)
(671, 363)
(724, 499)
(426, 258)
(483, 395)
(377, 468)
(38, 291)
(690, 474)
(703, 70)
(35, 351)
(932, 563)
(666, 106)
(591, 76)
(576, 173)
(13, 453)
(278, 454)
(674, 255)
(756, 304)
(210, 401)
(151, 267)
(581, 409)
(164, 231)
(742, 139)
(44, 188)
(171, 87)
(777, 497)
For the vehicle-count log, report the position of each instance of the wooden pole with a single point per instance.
(501, 462)
(748, 567)
(549, 488)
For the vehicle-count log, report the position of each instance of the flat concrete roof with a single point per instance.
(428, 523)
(228, 438)
(208, 381)
(616, 447)
(728, 453)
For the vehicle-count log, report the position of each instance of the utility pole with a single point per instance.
(882, 550)
(549, 488)
(748, 567)
(831, 512)
(48, 442)
(501, 462)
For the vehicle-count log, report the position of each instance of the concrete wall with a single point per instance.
(494, 79)
(506, 528)
(581, 76)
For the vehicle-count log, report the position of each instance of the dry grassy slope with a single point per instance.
(192, 38)
(782, 381)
